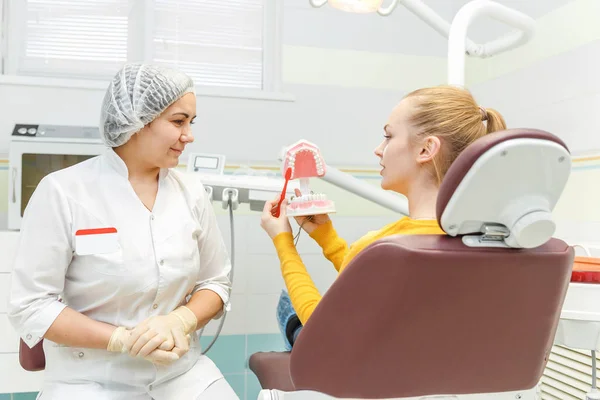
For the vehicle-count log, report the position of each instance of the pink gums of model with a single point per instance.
(305, 160)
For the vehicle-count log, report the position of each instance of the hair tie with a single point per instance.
(484, 114)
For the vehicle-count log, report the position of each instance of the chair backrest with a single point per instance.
(474, 311)
(32, 359)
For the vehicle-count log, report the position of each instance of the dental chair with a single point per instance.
(467, 315)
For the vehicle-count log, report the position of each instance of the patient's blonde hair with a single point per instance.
(451, 114)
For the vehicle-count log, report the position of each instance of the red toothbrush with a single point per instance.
(277, 211)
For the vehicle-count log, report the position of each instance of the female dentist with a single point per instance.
(120, 258)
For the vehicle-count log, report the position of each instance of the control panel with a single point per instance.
(55, 131)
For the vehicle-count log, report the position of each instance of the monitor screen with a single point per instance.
(206, 162)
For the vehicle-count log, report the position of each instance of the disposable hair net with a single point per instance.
(138, 94)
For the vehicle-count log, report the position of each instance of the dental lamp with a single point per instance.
(356, 6)
(458, 42)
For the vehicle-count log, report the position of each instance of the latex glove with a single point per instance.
(162, 357)
(121, 335)
(167, 330)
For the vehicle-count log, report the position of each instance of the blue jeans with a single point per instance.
(289, 324)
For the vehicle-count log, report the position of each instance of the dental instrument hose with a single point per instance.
(230, 206)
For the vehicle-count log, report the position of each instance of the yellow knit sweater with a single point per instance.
(302, 290)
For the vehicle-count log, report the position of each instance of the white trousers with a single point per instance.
(187, 386)
(93, 374)
(219, 389)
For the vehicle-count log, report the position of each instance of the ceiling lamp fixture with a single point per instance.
(459, 44)
(353, 6)
(356, 6)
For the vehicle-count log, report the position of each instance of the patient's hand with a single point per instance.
(310, 222)
(275, 225)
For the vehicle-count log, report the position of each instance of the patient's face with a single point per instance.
(398, 152)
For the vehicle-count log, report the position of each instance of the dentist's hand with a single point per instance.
(272, 225)
(158, 333)
(310, 222)
(161, 356)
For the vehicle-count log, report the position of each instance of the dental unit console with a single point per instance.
(254, 190)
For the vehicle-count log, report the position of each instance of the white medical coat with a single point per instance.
(163, 256)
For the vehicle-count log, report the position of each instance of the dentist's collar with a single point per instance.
(117, 163)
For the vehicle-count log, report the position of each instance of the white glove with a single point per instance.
(159, 356)
(163, 332)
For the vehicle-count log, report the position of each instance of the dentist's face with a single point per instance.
(162, 141)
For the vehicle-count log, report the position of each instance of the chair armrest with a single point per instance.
(272, 370)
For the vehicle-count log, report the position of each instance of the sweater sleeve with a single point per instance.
(334, 247)
(301, 288)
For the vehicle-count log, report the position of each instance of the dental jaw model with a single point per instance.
(305, 160)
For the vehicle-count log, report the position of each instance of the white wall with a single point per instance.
(244, 130)
(553, 82)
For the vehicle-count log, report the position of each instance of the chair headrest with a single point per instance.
(501, 190)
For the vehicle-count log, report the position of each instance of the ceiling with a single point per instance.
(401, 32)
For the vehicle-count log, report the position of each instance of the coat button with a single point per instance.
(28, 337)
(80, 355)
(155, 306)
(162, 262)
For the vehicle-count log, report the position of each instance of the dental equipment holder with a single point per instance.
(459, 44)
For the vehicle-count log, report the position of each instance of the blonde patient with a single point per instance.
(423, 136)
